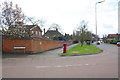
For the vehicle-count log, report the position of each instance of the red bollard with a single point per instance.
(64, 47)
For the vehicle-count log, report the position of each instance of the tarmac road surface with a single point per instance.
(50, 65)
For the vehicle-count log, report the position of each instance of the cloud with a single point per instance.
(68, 13)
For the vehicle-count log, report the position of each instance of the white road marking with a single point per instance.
(86, 64)
(68, 65)
(41, 66)
(59, 66)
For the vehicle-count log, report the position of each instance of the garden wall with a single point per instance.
(31, 45)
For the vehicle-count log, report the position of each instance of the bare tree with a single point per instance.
(12, 20)
(42, 22)
(82, 33)
(32, 20)
(88, 35)
(105, 38)
(55, 26)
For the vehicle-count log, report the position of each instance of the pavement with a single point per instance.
(50, 65)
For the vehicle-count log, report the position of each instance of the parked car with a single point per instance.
(118, 44)
(101, 41)
(98, 42)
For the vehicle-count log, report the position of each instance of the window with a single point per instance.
(36, 32)
(24, 31)
(32, 32)
(39, 33)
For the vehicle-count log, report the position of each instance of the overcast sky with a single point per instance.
(69, 13)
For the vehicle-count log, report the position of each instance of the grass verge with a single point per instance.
(85, 49)
(109, 44)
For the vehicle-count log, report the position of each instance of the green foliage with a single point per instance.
(113, 41)
(55, 38)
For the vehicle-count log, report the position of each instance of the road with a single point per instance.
(50, 65)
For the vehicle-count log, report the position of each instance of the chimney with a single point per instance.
(44, 30)
(56, 29)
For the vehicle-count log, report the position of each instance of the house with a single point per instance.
(53, 35)
(32, 31)
(113, 37)
(95, 37)
(68, 37)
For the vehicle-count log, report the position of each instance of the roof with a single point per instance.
(113, 35)
(52, 33)
(29, 27)
(95, 36)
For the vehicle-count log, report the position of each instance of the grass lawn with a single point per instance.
(85, 49)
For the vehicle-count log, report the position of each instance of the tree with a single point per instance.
(12, 20)
(88, 35)
(82, 32)
(42, 22)
(32, 20)
(105, 38)
(55, 26)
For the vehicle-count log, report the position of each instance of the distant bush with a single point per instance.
(75, 42)
(108, 41)
(114, 41)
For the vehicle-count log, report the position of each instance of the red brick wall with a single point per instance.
(8, 44)
(32, 45)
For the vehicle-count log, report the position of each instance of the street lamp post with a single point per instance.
(96, 14)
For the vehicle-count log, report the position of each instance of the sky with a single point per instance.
(69, 13)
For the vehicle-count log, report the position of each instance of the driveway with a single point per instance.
(50, 65)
